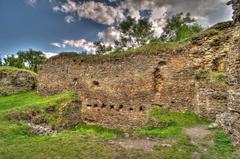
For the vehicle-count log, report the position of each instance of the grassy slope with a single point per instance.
(170, 123)
(26, 100)
(153, 47)
(91, 142)
(13, 70)
(17, 142)
(148, 49)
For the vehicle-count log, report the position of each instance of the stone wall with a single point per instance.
(210, 99)
(208, 53)
(13, 80)
(118, 93)
(230, 120)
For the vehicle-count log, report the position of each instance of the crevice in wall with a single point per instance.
(158, 81)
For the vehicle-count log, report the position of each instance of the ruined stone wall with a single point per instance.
(210, 99)
(13, 80)
(230, 119)
(174, 84)
(208, 53)
(118, 93)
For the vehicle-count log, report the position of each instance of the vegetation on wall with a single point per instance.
(137, 33)
(180, 27)
(213, 77)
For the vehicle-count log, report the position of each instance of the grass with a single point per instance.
(155, 47)
(212, 77)
(17, 142)
(164, 116)
(170, 129)
(222, 148)
(64, 145)
(24, 100)
(170, 124)
(92, 130)
(217, 77)
(14, 70)
(148, 49)
(91, 142)
(223, 144)
(168, 132)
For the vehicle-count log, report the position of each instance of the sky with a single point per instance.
(54, 26)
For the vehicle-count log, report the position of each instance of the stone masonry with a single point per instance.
(16, 80)
(118, 92)
(230, 119)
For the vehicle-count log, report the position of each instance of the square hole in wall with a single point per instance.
(96, 83)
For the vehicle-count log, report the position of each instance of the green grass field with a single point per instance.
(92, 142)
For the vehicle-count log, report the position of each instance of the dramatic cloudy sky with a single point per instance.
(73, 25)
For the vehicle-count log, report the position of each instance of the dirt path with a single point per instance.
(198, 133)
(199, 137)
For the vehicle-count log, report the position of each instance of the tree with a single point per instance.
(32, 58)
(1, 62)
(180, 27)
(101, 48)
(26, 59)
(134, 33)
(13, 61)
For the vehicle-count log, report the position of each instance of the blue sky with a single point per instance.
(72, 25)
(23, 27)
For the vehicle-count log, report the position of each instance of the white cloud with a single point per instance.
(210, 11)
(32, 3)
(109, 36)
(56, 45)
(80, 44)
(207, 12)
(95, 11)
(50, 54)
(69, 19)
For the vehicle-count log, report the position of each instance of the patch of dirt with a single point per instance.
(199, 137)
(199, 132)
(136, 144)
